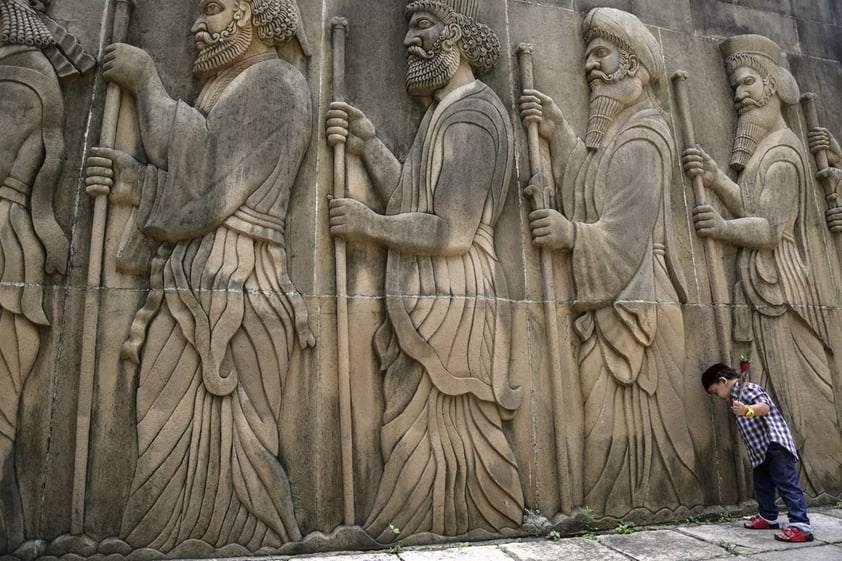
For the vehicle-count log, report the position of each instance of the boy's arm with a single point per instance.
(742, 409)
(757, 402)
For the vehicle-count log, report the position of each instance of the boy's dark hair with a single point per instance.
(715, 372)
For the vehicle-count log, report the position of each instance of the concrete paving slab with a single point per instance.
(569, 549)
(745, 541)
(469, 553)
(820, 553)
(663, 545)
(349, 556)
(826, 528)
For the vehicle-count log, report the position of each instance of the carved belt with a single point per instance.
(15, 191)
(257, 225)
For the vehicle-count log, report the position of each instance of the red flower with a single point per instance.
(744, 366)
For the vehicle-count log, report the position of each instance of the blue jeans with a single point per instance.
(778, 472)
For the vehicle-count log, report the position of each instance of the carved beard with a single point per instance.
(430, 71)
(748, 134)
(610, 94)
(21, 25)
(219, 50)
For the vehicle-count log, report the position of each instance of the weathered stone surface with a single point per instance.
(502, 375)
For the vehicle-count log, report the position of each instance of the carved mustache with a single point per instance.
(746, 102)
(205, 39)
(419, 52)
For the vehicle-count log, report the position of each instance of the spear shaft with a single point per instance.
(716, 275)
(568, 416)
(87, 367)
(339, 27)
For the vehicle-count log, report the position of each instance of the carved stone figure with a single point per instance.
(613, 193)
(34, 53)
(215, 335)
(777, 303)
(444, 348)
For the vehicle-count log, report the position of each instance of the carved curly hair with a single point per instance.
(479, 44)
(20, 24)
(276, 21)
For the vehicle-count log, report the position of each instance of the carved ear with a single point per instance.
(453, 34)
(243, 14)
(634, 64)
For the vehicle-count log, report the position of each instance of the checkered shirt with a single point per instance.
(757, 432)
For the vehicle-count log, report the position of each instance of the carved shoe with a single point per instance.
(757, 523)
(793, 535)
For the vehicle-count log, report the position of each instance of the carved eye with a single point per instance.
(749, 81)
(212, 9)
(424, 23)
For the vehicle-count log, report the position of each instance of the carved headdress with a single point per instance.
(629, 34)
(24, 22)
(763, 55)
(478, 43)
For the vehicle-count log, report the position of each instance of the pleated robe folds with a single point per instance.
(214, 338)
(444, 350)
(638, 453)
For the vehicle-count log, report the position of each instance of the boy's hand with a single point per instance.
(738, 408)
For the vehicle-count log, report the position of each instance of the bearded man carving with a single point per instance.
(613, 189)
(444, 348)
(778, 308)
(214, 338)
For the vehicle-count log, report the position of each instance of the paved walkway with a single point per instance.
(684, 542)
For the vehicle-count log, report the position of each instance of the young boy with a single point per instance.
(770, 449)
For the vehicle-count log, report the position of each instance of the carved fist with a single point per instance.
(348, 124)
(820, 139)
(709, 223)
(107, 169)
(550, 229)
(350, 219)
(536, 107)
(306, 338)
(696, 162)
(834, 219)
(129, 67)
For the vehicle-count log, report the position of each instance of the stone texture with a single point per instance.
(305, 419)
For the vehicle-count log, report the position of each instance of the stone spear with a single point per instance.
(710, 250)
(808, 103)
(339, 27)
(568, 416)
(122, 10)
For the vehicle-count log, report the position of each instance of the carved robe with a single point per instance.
(31, 149)
(786, 321)
(216, 333)
(444, 348)
(628, 287)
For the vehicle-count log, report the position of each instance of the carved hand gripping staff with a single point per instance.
(718, 286)
(568, 437)
(339, 27)
(122, 13)
(808, 102)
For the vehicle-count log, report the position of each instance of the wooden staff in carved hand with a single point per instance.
(716, 275)
(99, 190)
(563, 368)
(828, 156)
(339, 27)
(614, 187)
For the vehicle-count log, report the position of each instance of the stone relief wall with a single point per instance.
(282, 275)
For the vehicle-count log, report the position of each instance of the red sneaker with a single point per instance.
(793, 535)
(757, 523)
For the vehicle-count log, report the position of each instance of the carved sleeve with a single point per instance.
(252, 141)
(624, 204)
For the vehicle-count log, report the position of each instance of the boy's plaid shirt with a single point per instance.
(758, 432)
